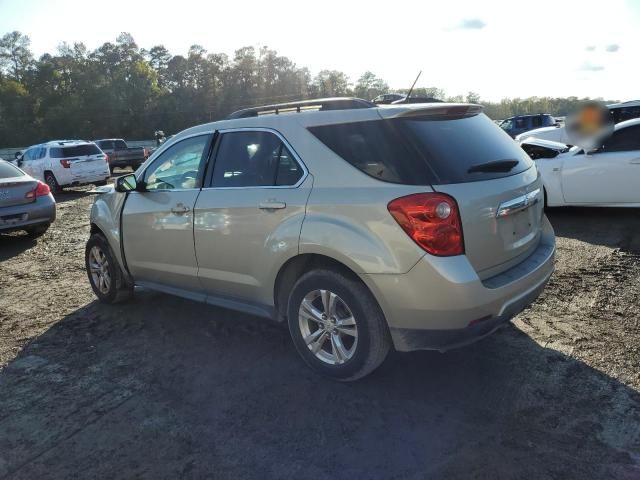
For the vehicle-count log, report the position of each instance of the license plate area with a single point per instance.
(518, 229)
(13, 219)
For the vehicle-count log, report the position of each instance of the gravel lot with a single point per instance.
(162, 387)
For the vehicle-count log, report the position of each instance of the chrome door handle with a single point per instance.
(272, 205)
(180, 209)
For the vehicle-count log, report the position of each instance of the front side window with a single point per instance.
(120, 145)
(254, 159)
(179, 166)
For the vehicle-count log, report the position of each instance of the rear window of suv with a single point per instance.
(74, 151)
(425, 151)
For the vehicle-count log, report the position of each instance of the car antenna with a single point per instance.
(414, 84)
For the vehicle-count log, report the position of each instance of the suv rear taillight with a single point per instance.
(41, 190)
(432, 220)
(65, 163)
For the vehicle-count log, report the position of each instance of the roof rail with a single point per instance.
(338, 103)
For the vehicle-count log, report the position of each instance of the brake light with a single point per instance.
(65, 163)
(432, 220)
(41, 190)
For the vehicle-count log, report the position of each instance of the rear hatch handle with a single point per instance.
(518, 204)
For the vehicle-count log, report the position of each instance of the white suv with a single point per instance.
(64, 163)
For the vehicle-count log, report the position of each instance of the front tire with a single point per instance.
(336, 325)
(105, 276)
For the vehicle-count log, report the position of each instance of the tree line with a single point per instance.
(122, 90)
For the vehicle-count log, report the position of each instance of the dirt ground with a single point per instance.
(163, 388)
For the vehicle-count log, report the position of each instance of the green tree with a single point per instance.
(15, 56)
(370, 86)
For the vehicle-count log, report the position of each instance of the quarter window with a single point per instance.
(254, 159)
(179, 166)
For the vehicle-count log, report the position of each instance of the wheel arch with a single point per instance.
(297, 266)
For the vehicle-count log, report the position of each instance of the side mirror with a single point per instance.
(127, 183)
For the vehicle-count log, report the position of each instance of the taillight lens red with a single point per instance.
(432, 220)
(65, 163)
(106, 158)
(41, 190)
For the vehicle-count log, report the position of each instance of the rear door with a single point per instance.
(157, 224)
(248, 218)
(609, 175)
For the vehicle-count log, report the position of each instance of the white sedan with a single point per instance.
(606, 177)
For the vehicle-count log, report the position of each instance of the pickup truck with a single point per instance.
(121, 155)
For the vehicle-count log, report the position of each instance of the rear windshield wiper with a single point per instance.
(497, 166)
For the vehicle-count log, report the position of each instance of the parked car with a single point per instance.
(63, 163)
(606, 177)
(523, 123)
(387, 98)
(538, 148)
(121, 155)
(25, 203)
(620, 112)
(363, 227)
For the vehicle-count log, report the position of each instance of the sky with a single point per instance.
(497, 49)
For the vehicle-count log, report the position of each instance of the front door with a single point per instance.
(248, 219)
(609, 175)
(157, 224)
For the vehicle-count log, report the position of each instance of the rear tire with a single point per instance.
(50, 179)
(337, 325)
(37, 231)
(105, 276)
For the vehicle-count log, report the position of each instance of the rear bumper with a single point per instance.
(83, 178)
(19, 217)
(441, 303)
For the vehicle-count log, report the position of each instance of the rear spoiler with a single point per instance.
(430, 110)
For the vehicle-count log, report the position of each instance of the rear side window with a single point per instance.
(9, 171)
(106, 145)
(425, 151)
(74, 151)
(378, 148)
(120, 145)
(252, 159)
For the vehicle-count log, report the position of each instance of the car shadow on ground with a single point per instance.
(612, 227)
(15, 243)
(162, 387)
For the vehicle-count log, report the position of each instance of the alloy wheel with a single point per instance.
(99, 269)
(328, 327)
